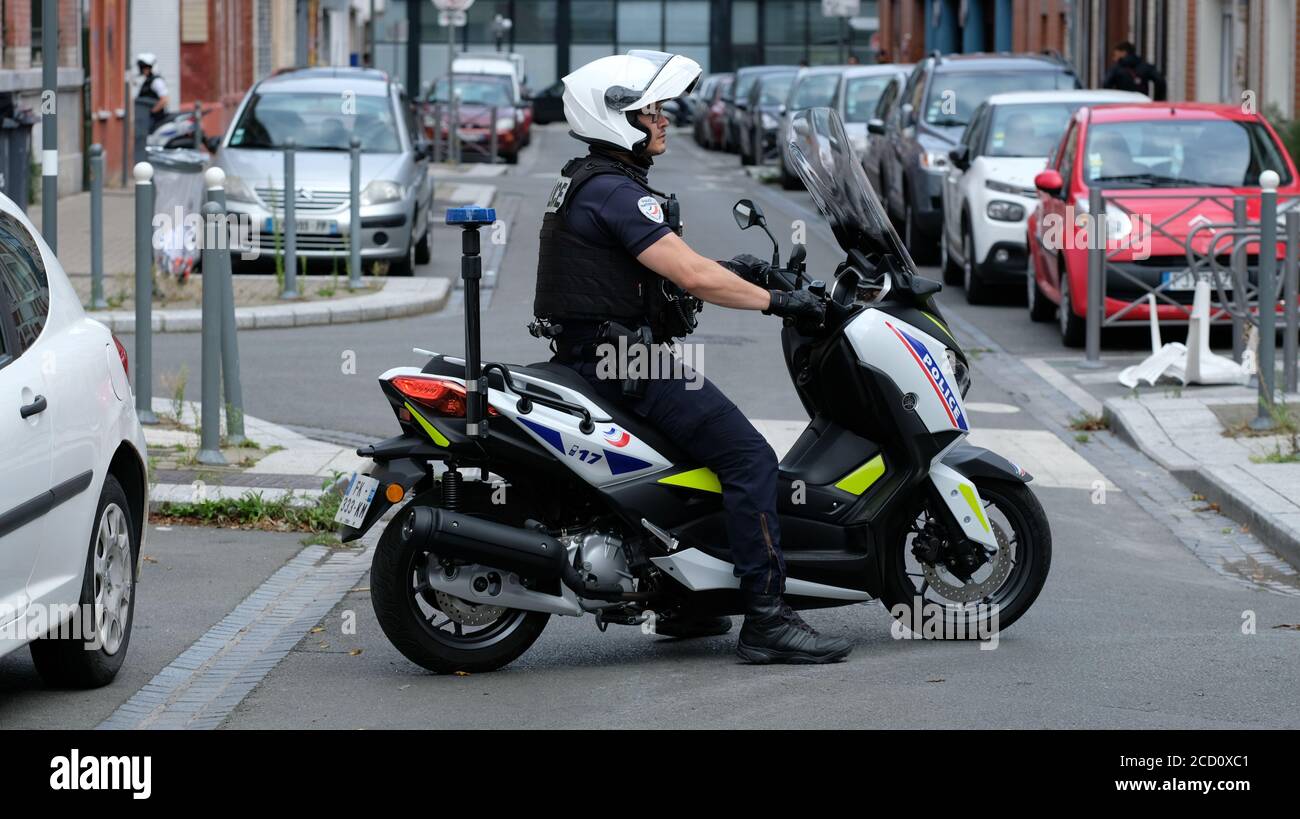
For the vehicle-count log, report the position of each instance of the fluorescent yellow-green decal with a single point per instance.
(703, 479)
(937, 323)
(968, 492)
(861, 479)
(438, 437)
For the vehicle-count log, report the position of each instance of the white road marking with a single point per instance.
(992, 407)
(1065, 385)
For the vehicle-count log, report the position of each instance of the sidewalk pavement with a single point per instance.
(1182, 428)
(399, 297)
(297, 466)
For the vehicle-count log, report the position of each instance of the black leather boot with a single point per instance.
(687, 625)
(774, 633)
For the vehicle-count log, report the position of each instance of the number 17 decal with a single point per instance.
(584, 455)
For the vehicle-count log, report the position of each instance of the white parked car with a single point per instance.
(989, 191)
(74, 487)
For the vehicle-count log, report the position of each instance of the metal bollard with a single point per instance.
(290, 225)
(49, 123)
(1240, 280)
(1290, 286)
(354, 218)
(234, 393)
(143, 362)
(210, 410)
(1267, 300)
(437, 132)
(492, 139)
(758, 136)
(1096, 279)
(97, 300)
(198, 126)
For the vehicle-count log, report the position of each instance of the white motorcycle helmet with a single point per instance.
(147, 58)
(602, 99)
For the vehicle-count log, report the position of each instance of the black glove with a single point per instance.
(750, 268)
(796, 304)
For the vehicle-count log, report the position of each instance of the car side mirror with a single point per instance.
(960, 156)
(747, 214)
(212, 143)
(423, 149)
(876, 126)
(1049, 182)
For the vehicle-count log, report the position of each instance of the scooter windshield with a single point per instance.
(820, 152)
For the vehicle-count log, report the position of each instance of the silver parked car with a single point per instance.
(321, 110)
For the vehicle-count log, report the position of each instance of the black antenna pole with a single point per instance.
(471, 272)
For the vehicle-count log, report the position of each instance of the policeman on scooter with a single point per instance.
(612, 264)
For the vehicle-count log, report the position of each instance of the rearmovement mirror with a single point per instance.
(747, 214)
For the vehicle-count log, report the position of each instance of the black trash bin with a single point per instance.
(15, 150)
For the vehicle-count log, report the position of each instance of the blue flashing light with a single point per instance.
(471, 215)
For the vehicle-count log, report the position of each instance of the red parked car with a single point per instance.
(1163, 168)
(480, 96)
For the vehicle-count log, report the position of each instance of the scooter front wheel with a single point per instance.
(439, 632)
(925, 578)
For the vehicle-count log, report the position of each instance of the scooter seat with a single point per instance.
(566, 377)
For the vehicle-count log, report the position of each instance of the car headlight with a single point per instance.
(380, 191)
(1118, 223)
(237, 190)
(505, 124)
(1003, 211)
(770, 122)
(959, 372)
(934, 160)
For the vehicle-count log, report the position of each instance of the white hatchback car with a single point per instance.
(989, 191)
(74, 484)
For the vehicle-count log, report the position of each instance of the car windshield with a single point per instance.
(816, 91)
(473, 92)
(318, 122)
(954, 95)
(861, 95)
(1028, 130)
(823, 157)
(1181, 153)
(776, 89)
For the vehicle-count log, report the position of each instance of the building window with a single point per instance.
(38, 32)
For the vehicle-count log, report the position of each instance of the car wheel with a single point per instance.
(424, 248)
(1073, 327)
(951, 270)
(977, 290)
(404, 266)
(107, 602)
(1040, 309)
(789, 181)
(512, 158)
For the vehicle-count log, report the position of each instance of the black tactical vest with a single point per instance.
(577, 279)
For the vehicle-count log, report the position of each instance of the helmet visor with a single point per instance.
(673, 75)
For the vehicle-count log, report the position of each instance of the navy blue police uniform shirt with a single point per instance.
(611, 210)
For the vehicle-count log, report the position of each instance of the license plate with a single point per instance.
(326, 227)
(1184, 280)
(473, 136)
(356, 500)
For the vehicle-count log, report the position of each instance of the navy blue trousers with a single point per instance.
(706, 425)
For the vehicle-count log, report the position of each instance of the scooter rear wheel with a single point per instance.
(1024, 542)
(442, 635)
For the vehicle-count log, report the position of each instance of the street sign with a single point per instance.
(452, 17)
(841, 8)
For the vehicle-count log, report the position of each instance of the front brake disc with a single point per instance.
(972, 592)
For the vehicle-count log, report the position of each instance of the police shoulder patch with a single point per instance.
(651, 209)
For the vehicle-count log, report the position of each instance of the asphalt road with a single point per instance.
(1132, 629)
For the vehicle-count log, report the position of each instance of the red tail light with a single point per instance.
(445, 398)
(121, 353)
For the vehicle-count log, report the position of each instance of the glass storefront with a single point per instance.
(554, 35)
